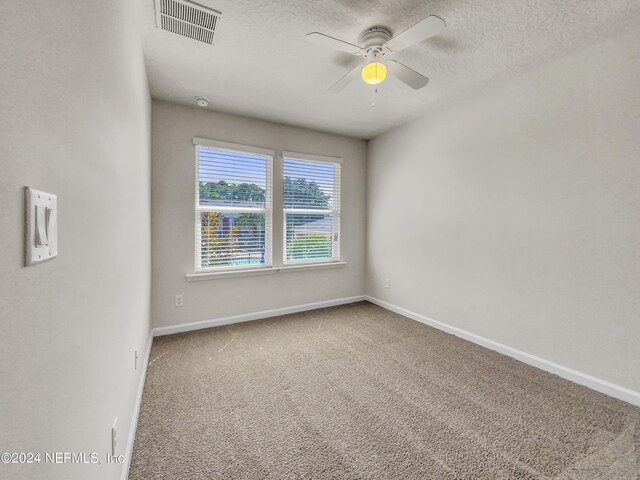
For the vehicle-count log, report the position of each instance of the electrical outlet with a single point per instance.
(387, 283)
(114, 436)
(179, 300)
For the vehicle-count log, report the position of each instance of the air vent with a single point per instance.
(191, 19)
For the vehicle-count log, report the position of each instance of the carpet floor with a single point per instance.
(358, 392)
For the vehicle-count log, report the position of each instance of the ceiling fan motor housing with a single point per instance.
(372, 40)
(374, 36)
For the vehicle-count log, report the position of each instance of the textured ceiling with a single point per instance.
(261, 66)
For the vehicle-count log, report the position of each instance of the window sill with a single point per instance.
(197, 277)
(310, 266)
(249, 272)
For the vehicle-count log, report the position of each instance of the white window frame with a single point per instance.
(335, 212)
(267, 210)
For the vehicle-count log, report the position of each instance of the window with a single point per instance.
(233, 206)
(311, 208)
(234, 210)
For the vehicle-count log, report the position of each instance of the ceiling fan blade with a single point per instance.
(430, 26)
(330, 42)
(348, 77)
(403, 73)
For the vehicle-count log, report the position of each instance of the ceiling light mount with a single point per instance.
(374, 37)
(201, 101)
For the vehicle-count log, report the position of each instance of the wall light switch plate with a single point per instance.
(41, 232)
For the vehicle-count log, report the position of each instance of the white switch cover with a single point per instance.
(41, 233)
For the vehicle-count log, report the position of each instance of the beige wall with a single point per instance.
(173, 229)
(74, 121)
(513, 213)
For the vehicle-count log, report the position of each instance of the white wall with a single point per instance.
(173, 229)
(513, 214)
(74, 121)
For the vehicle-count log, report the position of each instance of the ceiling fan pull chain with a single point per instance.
(374, 90)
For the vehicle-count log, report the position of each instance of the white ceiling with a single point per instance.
(261, 66)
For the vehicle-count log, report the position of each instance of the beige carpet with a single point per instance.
(357, 392)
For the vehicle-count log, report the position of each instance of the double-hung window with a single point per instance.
(311, 208)
(233, 206)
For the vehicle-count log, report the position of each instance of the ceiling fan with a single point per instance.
(377, 47)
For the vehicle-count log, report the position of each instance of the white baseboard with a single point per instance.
(602, 386)
(136, 410)
(187, 327)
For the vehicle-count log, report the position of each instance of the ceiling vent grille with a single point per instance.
(187, 18)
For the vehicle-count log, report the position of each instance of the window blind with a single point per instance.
(233, 207)
(311, 210)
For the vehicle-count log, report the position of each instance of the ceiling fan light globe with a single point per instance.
(374, 73)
